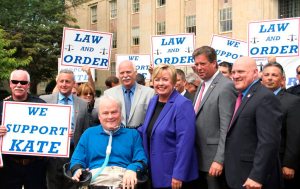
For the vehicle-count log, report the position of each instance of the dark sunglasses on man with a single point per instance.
(17, 81)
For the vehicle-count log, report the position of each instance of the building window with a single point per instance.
(135, 6)
(114, 40)
(191, 24)
(161, 3)
(93, 14)
(225, 20)
(113, 9)
(289, 8)
(161, 28)
(135, 35)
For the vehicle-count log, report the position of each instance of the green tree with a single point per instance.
(37, 26)
(7, 62)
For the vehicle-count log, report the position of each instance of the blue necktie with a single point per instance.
(127, 103)
(65, 100)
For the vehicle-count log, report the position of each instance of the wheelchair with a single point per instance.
(86, 177)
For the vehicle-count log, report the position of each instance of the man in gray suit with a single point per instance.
(80, 122)
(214, 105)
(138, 96)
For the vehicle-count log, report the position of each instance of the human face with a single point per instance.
(127, 74)
(204, 68)
(243, 74)
(272, 78)
(109, 115)
(225, 71)
(65, 83)
(191, 87)
(163, 85)
(180, 83)
(19, 91)
(87, 96)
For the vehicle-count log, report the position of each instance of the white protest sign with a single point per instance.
(173, 49)
(85, 47)
(80, 76)
(278, 38)
(289, 65)
(141, 61)
(40, 129)
(228, 49)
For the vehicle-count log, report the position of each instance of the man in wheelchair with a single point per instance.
(110, 152)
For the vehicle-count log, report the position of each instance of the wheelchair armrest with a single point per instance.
(84, 179)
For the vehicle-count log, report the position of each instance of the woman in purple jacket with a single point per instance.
(168, 134)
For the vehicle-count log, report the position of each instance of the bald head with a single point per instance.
(244, 72)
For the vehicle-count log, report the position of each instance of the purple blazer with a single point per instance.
(172, 151)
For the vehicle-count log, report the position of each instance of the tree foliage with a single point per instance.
(7, 62)
(37, 27)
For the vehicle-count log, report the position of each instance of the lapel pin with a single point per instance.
(248, 96)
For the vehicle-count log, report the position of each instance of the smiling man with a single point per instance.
(80, 122)
(214, 105)
(133, 96)
(253, 138)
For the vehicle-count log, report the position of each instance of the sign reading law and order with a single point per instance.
(39, 129)
(173, 49)
(228, 49)
(278, 38)
(85, 47)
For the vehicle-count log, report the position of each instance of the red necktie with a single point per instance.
(198, 102)
(237, 105)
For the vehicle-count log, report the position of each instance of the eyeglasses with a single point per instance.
(298, 73)
(21, 82)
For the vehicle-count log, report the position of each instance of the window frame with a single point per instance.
(135, 6)
(135, 36)
(113, 9)
(161, 28)
(225, 17)
(93, 14)
(190, 24)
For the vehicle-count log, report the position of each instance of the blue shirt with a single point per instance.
(132, 90)
(126, 149)
(277, 91)
(70, 102)
(245, 92)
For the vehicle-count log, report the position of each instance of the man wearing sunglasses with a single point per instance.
(21, 170)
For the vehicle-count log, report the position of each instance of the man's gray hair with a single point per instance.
(105, 98)
(67, 71)
(14, 72)
(192, 77)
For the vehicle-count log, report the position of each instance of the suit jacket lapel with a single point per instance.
(209, 90)
(245, 100)
(75, 109)
(166, 109)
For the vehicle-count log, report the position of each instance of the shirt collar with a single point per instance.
(183, 92)
(132, 89)
(209, 81)
(244, 92)
(106, 132)
(277, 91)
(61, 97)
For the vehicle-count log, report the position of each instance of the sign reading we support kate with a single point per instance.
(173, 49)
(36, 129)
(228, 49)
(85, 47)
(141, 61)
(278, 38)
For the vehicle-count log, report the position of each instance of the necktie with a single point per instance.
(65, 100)
(127, 103)
(237, 105)
(198, 102)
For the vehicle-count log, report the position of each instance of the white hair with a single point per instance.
(16, 72)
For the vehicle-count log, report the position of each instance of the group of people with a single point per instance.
(234, 132)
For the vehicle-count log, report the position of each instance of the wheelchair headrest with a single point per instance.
(84, 179)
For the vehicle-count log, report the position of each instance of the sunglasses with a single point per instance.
(17, 81)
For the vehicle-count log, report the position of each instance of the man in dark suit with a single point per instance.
(272, 78)
(180, 85)
(80, 122)
(296, 89)
(253, 138)
(214, 105)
